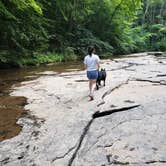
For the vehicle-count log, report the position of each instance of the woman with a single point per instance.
(91, 62)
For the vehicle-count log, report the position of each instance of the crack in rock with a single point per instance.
(101, 103)
(86, 129)
(96, 141)
(116, 162)
(120, 163)
(161, 75)
(108, 112)
(161, 82)
(60, 157)
(111, 90)
(5, 161)
(125, 121)
(154, 161)
(80, 141)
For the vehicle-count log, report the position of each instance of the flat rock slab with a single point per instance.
(131, 137)
(65, 131)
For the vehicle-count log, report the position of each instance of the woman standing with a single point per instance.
(91, 62)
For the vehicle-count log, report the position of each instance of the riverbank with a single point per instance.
(33, 59)
(38, 59)
(124, 125)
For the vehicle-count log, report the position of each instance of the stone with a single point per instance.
(65, 130)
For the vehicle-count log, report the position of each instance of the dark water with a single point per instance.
(12, 107)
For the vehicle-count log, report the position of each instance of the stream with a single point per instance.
(12, 107)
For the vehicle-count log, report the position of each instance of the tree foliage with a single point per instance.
(153, 19)
(69, 26)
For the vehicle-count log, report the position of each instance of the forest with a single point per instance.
(34, 32)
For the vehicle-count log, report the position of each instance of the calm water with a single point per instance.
(11, 107)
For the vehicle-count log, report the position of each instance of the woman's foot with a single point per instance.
(91, 98)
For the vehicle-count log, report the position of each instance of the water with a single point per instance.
(12, 107)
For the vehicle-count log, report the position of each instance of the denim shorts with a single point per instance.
(92, 75)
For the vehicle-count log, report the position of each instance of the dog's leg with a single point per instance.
(104, 82)
(97, 87)
(100, 82)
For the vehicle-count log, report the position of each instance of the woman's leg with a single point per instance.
(92, 76)
(92, 84)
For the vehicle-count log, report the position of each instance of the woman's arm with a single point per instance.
(85, 66)
(98, 65)
(98, 62)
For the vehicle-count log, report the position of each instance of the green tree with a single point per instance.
(22, 27)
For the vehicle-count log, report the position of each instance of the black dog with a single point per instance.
(101, 77)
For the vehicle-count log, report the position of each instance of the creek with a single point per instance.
(12, 107)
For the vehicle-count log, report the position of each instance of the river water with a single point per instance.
(12, 107)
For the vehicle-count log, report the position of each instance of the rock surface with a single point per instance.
(124, 125)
